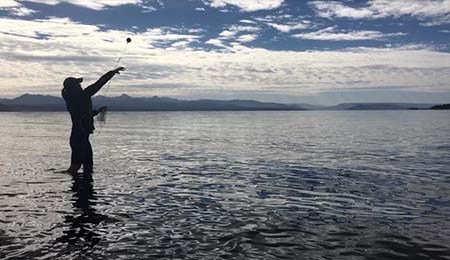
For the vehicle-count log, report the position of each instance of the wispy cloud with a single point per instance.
(249, 53)
(332, 34)
(216, 42)
(235, 34)
(246, 5)
(431, 11)
(16, 7)
(9, 4)
(285, 22)
(247, 38)
(234, 30)
(247, 21)
(290, 26)
(47, 51)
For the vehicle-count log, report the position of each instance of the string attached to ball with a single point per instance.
(101, 117)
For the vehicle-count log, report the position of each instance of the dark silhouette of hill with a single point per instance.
(29, 102)
(378, 106)
(308, 106)
(441, 107)
(3, 108)
(127, 103)
(124, 102)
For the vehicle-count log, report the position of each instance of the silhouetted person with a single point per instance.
(79, 105)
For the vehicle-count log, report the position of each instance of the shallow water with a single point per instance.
(229, 185)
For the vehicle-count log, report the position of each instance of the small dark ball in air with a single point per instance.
(128, 40)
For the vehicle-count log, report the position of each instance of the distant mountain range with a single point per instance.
(441, 107)
(124, 102)
(379, 106)
(3, 108)
(29, 102)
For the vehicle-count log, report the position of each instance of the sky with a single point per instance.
(290, 51)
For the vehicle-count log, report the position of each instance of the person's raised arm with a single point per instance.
(94, 88)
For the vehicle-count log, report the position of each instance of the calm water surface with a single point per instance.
(229, 185)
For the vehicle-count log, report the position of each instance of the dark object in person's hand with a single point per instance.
(102, 109)
(118, 70)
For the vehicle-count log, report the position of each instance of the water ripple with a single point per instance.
(301, 185)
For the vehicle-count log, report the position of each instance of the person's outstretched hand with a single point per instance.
(118, 70)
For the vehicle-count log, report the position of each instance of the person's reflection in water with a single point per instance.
(81, 233)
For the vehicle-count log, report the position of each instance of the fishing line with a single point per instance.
(117, 64)
(102, 114)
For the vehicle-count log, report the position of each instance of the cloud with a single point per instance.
(17, 7)
(21, 11)
(59, 45)
(291, 26)
(332, 34)
(216, 42)
(247, 21)
(433, 11)
(247, 38)
(285, 22)
(247, 28)
(232, 31)
(246, 5)
(38, 54)
(233, 35)
(9, 3)
(330, 9)
(275, 18)
(158, 35)
(181, 44)
(92, 4)
(228, 34)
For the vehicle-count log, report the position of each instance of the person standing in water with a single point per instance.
(79, 105)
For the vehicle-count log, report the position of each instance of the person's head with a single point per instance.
(71, 86)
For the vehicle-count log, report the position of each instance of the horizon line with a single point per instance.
(238, 99)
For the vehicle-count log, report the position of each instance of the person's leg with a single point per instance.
(75, 158)
(88, 162)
